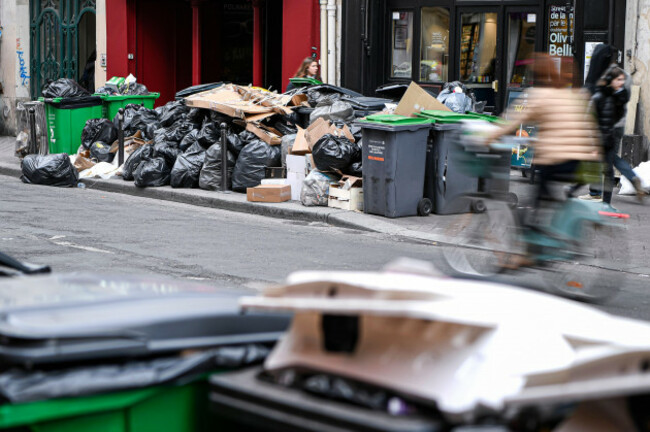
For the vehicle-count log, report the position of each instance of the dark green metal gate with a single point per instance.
(54, 39)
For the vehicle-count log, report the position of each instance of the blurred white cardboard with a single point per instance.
(460, 343)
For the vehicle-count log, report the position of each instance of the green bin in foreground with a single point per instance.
(154, 409)
(112, 103)
(66, 118)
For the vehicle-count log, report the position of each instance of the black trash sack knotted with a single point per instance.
(234, 142)
(186, 170)
(144, 153)
(139, 118)
(335, 154)
(100, 151)
(209, 134)
(334, 111)
(52, 170)
(152, 173)
(178, 131)
(64, 88)
(251, 163)
(98, 130)
(210, 177)
(168, 150)
(172, 112)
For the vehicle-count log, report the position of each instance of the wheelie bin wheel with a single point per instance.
(512, 199)
(478, 206)
(424, 207)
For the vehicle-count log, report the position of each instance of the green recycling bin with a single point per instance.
(112, 103)
(154, 409)
(66, 118)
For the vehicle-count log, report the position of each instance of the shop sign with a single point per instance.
(560, 31)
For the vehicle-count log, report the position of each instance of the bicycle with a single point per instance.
(571, 240)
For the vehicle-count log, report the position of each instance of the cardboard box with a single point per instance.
(351, 199)
(300, 145)
(297, 164)
(269, 193)
(295, 181)
(275, 181)
(416, 99)
(266, 135)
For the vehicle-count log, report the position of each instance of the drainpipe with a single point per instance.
(196, 42)
(339, 42)
(257, 43)
(331, 41)
(323, 39)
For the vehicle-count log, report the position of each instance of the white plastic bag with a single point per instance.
(316, 188)
(643, 172)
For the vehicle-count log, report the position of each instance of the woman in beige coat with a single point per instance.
(566, 130)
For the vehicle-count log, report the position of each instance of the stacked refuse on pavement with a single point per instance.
(279, 146)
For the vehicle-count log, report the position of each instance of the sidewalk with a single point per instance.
(430, 229)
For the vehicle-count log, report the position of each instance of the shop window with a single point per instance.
(402, 45)
(521, 46)
(434, 57)
(478, 47)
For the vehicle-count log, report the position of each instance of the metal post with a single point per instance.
(33, 147)
(120, 136)
(224, 159)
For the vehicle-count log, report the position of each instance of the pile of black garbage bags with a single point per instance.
(185, 144)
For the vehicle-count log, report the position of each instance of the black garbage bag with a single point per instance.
(247, 137)
(333, 111)
(139, 118)
(314, 97)
(172, 112)
(284, 128)
(64, 88)
(141, 154)
(333, 153)
(98, 130)
(167, 150)
(249, 169)
(209, 134)
(133, 89)
(234, 142)
(52, 170)
(177, 131)
(356, 169)
(197, 116)
(19, 385)
(189, 139)
(106, 91)
(153, 173)
(100, 151)
(210, 177)
(186, 169)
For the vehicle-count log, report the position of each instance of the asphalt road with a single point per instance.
(92, 231)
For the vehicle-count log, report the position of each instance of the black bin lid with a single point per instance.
(73, 317)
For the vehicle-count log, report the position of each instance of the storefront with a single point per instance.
(485, 44)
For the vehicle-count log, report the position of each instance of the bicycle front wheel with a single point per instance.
(590, 277)
(481, 243)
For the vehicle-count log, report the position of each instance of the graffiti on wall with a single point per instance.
(24, 76)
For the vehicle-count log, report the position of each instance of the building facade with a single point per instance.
(485, 44)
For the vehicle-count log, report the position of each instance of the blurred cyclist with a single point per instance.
(566, 130)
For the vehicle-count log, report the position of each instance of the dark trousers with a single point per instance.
(611, 160)
(548, 173)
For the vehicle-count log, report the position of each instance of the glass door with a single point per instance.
(478, 51)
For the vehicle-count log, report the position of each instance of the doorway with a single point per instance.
(494, 50)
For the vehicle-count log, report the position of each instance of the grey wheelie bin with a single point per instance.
(444, 181)
(394, 154)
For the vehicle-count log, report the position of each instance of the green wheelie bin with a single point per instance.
(66, 118)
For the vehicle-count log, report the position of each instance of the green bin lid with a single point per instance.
(118, 97)
(440, 116)
(304, 81)
(394, 119)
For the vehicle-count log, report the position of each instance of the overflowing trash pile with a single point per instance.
(298, 143)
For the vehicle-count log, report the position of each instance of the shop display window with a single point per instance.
(434, 56)
(478, 47)
(402, 44)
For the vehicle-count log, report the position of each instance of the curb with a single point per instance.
(212, 199)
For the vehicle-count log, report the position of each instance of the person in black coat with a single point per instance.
(609, 103)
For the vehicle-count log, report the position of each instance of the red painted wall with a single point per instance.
(301, 31)
(116, 41)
